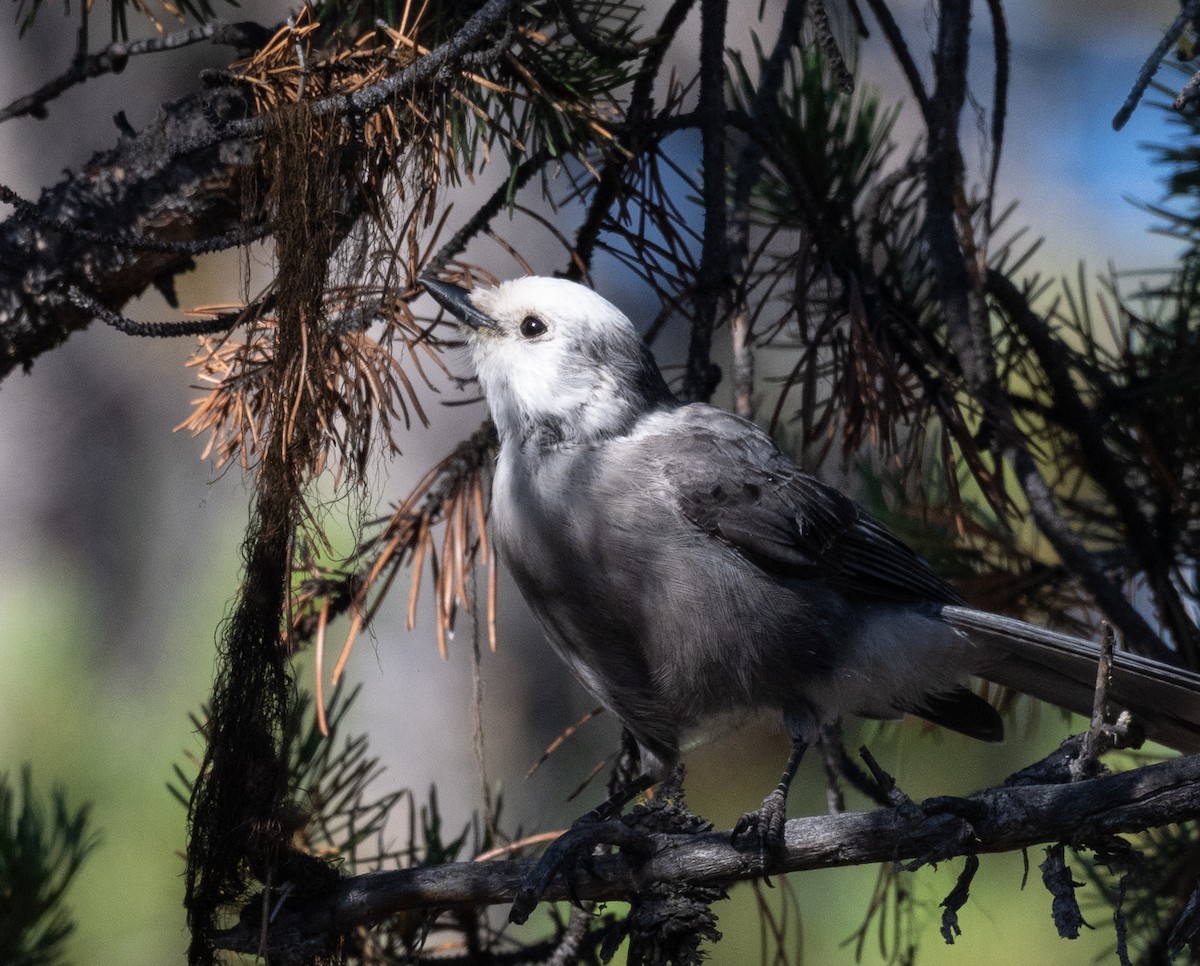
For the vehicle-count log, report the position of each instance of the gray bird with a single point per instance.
(688, 572)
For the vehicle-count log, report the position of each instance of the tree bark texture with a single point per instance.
(128, 219)
(1002, 819)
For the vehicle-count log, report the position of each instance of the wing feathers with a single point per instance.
(736, 485)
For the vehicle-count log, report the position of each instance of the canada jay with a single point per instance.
(687, 570)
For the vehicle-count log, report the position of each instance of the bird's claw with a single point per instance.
(523, 905)
(768, 820)
(570, 852)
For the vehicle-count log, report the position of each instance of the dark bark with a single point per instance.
(92, 232)
(1002, 819)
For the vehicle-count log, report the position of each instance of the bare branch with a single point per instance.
(113, 58)
(829, 46)
(159, 330)
(1097, 733)
(1188, 93)
(1191, 9)
(714, 263)
(749, 168)
(904, 57)
(1003, 819)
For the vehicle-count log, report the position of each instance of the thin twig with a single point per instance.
(1188, 93)
(748, 171)
(483, 216)
(158, 330)
(1085, 764)
(477, 726)
(1002, 52)
(713, 273)
(113, 58)
(567, 951)
(831, 755)
(904, 57)
(1191, 9)
(301, 61)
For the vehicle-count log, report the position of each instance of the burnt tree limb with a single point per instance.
(1002, 819)
(120, 224)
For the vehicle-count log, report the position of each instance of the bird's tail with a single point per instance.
(1164, 700)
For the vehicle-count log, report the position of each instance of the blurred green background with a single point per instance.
(121, 548)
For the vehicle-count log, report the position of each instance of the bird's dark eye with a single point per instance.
(532, 327)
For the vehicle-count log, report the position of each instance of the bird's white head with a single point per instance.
(558, 364)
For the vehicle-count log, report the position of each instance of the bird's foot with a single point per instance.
(768, 821)
(572, 852)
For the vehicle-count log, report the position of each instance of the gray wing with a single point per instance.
(734, 483)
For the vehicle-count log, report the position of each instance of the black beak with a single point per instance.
(457, 302)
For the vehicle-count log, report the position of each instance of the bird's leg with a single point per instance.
(579, 842)
(771, 815)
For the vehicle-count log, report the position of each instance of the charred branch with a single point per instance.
(141, 189)
(1002, 819)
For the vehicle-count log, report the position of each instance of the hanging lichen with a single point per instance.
(239, 805)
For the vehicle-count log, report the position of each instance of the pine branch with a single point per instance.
(952, 251)
(1087, 425)
(1002, 819)
(179, 175)
(458, 49)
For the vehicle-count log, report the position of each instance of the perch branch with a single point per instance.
(1002, 819)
